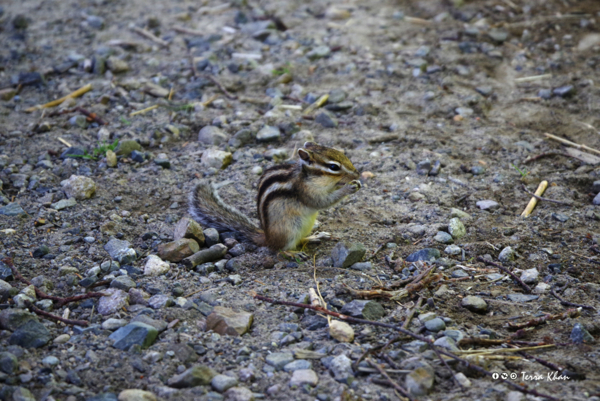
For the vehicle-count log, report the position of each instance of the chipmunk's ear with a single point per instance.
(304, 154)
(309, 144)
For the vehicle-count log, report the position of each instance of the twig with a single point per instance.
(505, 270)
(533, 201)
(188, 31)
(567, 303)
(382, 371)
(546, 199)
(541, 320)
(56, 102)
(40, 312)
(412, 313)
(220, 86)
(575, 145)
(150, 35)
(533, 78)
(468, 364)
(91, 115)
(542, 155)
(143, 111)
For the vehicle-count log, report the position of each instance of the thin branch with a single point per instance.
(220, 86)
(567, 303)
(505, 270)
(541, 320)
(48, 315)
(546, 199)
(412, 313)
(397, 386)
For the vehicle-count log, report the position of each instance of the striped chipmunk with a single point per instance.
(289, 199)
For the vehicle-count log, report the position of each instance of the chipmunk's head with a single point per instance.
(323, 161)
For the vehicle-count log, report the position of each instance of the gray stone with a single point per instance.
(459, 273)
(79, 187)
(13, 318)
(279, 359)
(419, 382)
(30, 335)
(239, 394)
(530, 276)
(123, 283)
(453, 250)
(489, 205)
(211, 236)
(268, 134)
(113, 301)
(136, 395)
(318, 52)
(459, 214)
(8, 363)
(160, 301)
(596, 200)
(177, 250)
(211, 135)
(303, 377)
(297, 364)
(22, 394)
(366, 309)
(435, 325)
(346, 256)
(341, 368)
(561, 217)
(474, 304)
(456, 335)
(195, 376)
(564, 91)
(326, 119)
(226, 321)
(522, 297)
(456, 228)
(12, 209)
(222, 383)
(162, 160)
(159, 325)
(443, 237)
(155, 266)
(427, 254)
(507, 255)
(446, 342)
(362, 266)
(580, 335)
(135, 333)
(113, 324)
(498, 35)
(50, 361)
(188, 228)
(64, 203)
(120, 251)
(127, 146)
(216, 158)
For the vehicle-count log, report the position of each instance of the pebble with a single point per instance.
(226, 321)
(459, 214)
(474, 304)
(443, 237)
(239, 394)
(522, 297)
(211, 135)
(22, 394)
(561, 217)
(423, 167)
(462, 379)
(446, 342)
(341, 368)
(113, 301)
(50, 361)
(257, 170)
(344, 256)
(341, 331)
(216, 158)
(127, 146)
(459, 273)
(12, 209)
(162, 160)
(364, 309)
(596, 200)
(32, 334)
(498, 35)
(79, 187)
(178, 250)
(8, 363)
(435, 325)
(78, 121)
(456, 228)
(211, 236)
(318, 52)
(426, 254)
(362, 266)
(62, 339)
(303, 377)
(135, 333)
(326, 119)
(155, 266)
(160, 301)
(419, 382)
(530, 276)
(488, 205)
(545, 94)
(222, 383)
(507, 255)
(541, 288)
(268, 134)
(452, 250)
(136, 395)
(136, 156)
(124, 283)
(120, 251)
(564, 91)
(297, 364)
(580, 335)
(113, 324)
(279, 359)
(116, 65)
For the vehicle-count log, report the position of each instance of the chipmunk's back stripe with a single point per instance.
(264, 206)
(272, 177)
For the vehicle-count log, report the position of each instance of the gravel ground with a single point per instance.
(439, 104)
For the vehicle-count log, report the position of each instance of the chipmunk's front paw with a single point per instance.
(354, 186)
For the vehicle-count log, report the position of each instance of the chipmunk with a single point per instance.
(289, 199)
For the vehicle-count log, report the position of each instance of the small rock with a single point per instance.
(580, 335)
(364, 266)
(222, 383)
(239, 394)
(136, 395)
(346, 256)
(211, 135)
(226, 321)
(341, 368)
(155, 266)
(365, 309)
(318, 52)
(137, 156)
(215, 252)
(211, 236)
(160, 301)
(522, 297)
(427, 254)
(459, 214)
(423, 167)
(279, 359)
(178, 250)
(188, 228)
(341, 331)
(297, 365)
(326, 119)
(216, 158)
(452, 250)
(564, 91)
(127, 146)
(135, 333)
(8, 363)
(62, 339)
(113, 301)
(530, 276)
(456, 228)
(541, 288)
(32, 334)
(79, 187)
(488, 205)
(462, 379)
(459, 273)
(507, 255)
(268, 134)
(446, 342)
(113, 324)
(545, 93)
(124, 283)
(162, 160)
(435, 325)
(419, 382)
(12, 209)
(116, 65)
(303, 377)
(120, 251)
(199, 375)
(596, 200)
(474, 304)
(22, 394)
(443, 237)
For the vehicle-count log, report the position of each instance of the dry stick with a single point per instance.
(542, 155)
(505, 270)
(533, 201)
(56, 102)
(41, 294)
(397, 386)
(546, 199)
(150, 35)
(567, 303)
(188, 31)
(412, 313)
(541, 320)
(514, 385)
(220, 86)
(575, 145)
(40, 312)
(91, 115)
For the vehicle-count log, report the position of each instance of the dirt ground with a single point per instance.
(473, 85)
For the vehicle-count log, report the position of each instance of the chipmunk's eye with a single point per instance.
(333, 167)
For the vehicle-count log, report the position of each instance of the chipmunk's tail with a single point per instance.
(208, 209)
